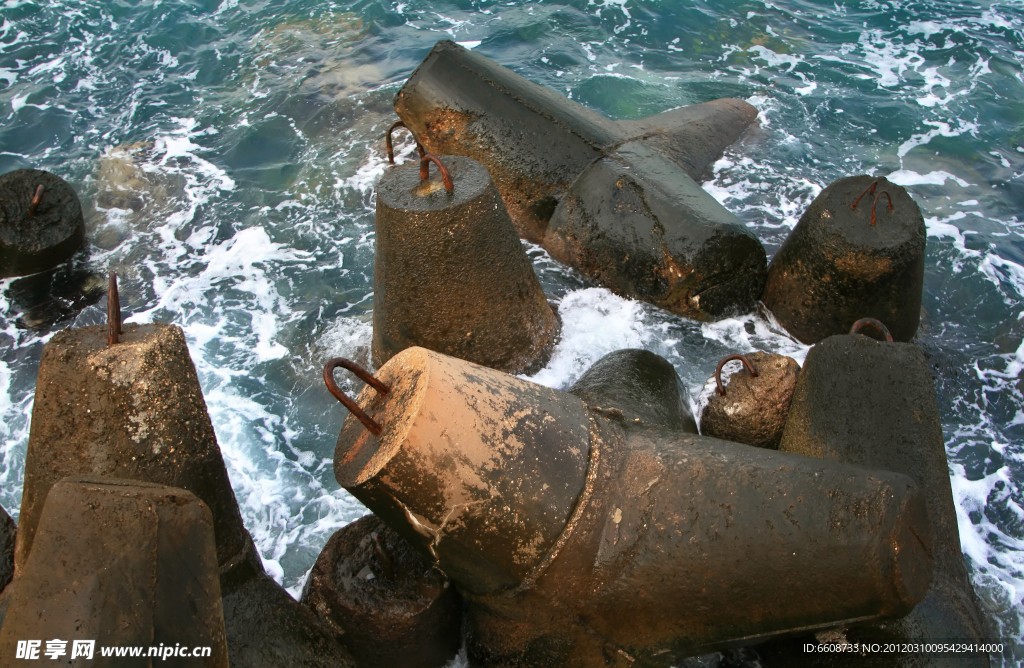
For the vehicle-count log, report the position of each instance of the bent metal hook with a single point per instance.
(877, 324)
(729, 358)
(352, 406)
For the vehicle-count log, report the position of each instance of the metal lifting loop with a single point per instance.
(871, 187)
(729, 358)
(425, 170)
(352, 406)
(113, 311)
(391, 150)
(880, 193)
(882, 329)
(36, 199)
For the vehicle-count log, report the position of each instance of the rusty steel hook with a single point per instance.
(36, 199)
(871, 187)
(729, 358)
(391, 150)
(877, 324)
(880, 193)
(425, 170)
(113, 311)
(363, 375)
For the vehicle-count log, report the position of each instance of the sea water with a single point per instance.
(225, 152)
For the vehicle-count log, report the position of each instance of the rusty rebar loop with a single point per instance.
(880, 193)
(425, 170)
(36, 199)
(382, 557)
(871, 187)
(391, 148)
(722, 363)
(363, 375)
(113, 311)
(877, 324)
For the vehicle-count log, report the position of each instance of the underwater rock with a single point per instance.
(533, 140)
(752, 409)
(637, 387)
(135, 410)
(385, 601)
(121, 562)
(55, 296)
(578, 542)
(41, 222)
(873, 404)
(451, 275)
(637, 224)
(121, 183)
(853, 254)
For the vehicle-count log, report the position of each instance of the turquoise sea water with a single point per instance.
(225, 152)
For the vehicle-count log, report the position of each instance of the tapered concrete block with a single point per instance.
(135, 410)
(41, 222)
(752, 409)
(873, 404)
(384, 601)
(638, 387)
(124, 563)
(577, 540)
(841, 264)
(451, 275)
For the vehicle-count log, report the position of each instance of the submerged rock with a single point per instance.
(637, 387)
(873, 404)
(384, 601)
(841, 264)
(580, 543)
(637, 224)
(451, 275)
(753, 410)
(124, 563)
(41, 222)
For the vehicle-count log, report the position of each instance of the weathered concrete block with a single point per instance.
(8, 534)
(384, 601)
(873, 404)
(753, 410)
(39, 229)
(451, 275)
(577, 541)
(638, 387)
(135, 410)
(124, 563)
(841, 264)
(637, 224)
(533, 140)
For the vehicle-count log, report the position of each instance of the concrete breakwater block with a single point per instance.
(873, 404)
(637, 224)
(843, 262)
(135, 410)
(8, 533)
(129, 410)
(41, 222)
(384, 601)
(533, 140)
(751, 409)
(451, 275)
(578, 542)
(123, 563)
(638, 387)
